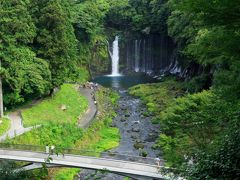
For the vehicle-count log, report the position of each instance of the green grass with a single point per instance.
(4, 126)
(49, 110)
(157, 96)
(61, 135)
(66, 173)
(108, 138)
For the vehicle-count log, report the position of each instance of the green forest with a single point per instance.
(45, 44)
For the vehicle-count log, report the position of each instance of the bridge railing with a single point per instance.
(124, 156)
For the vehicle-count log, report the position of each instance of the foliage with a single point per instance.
(88, 22)
(223, 161)
(24, 74)
(66, 173)
(194, 124)
(108, 139)
(120, 15)
(51, 134)
(49, 110)
(55, 40)
(4, 126)
(80, 76)
(217, 22)
(6, 172)
(44, 44)
(207, 25)
(143, 16)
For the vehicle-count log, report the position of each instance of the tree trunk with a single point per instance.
(1, 95)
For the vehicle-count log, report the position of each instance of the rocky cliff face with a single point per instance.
(152, 54)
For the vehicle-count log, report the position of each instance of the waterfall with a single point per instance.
(115, 58)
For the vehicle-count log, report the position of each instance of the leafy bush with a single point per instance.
(66, 173)
(221, 162)
(61, 135)
(192, 124)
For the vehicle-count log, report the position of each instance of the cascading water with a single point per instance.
(137, 55)
(115, 58)
(151, 55)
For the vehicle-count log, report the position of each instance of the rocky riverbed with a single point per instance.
(138, 135)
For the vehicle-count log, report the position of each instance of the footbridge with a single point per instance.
(123, 164)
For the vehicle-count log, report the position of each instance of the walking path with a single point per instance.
(91, 112)
(16, 128)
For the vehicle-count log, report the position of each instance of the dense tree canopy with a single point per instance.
(23, 73)
(45, 43)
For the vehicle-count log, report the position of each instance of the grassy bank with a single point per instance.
(99, 136)
(157, 96)
(49, 110)
(4, 125)
(63, 132)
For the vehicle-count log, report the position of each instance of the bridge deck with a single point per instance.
(112, 165)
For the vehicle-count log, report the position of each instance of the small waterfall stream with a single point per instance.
(137, 55)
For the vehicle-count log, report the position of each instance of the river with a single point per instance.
(138, 134)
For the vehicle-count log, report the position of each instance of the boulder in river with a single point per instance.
(151, 137)
(135, 136)
(138, 140)
(135, 129)
(127, 115)
(123, 120)
(113, 124)
(124, 108)
(138, 146)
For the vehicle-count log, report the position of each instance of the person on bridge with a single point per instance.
(52, 149)
(158, 162)
(47, 149)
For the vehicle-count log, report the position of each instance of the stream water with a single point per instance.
(136, 129)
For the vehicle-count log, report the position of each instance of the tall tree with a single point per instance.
(55, 40)
(23, 74)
